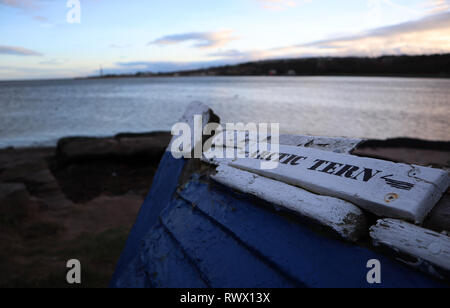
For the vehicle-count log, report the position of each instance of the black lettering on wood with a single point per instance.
(331, 168)
(368, 174)
(397, 184)
(294, 162)
(343, 170)
(282, 156)
(319, 163)
(287, 161)
(349, 173)
(263, 155)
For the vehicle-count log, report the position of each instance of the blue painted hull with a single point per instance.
(209, 236)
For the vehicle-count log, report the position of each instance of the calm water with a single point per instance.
(40, 112)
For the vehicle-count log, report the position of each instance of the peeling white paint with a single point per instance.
(343, 217)
(414, 241)
(332, 144)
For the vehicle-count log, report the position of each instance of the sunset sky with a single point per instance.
(37, 41)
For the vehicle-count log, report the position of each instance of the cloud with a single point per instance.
(24, 72)
(41, 18)
(232, 53)
(437, 6)
(428, 35)
(277, 5)
(118, 46)
(201, 39)
(54, 62)
(394, 5)
(21, 4)
(424, 36)
(18, 51)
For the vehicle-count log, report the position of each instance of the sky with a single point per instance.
(41, 39)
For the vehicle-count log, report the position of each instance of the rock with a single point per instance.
(38, 180)
(34, 173)
(150, 146)
(439, 218)
(83, 148)
(14, 199)
(409, 151)
(12, 157)
(121, 146)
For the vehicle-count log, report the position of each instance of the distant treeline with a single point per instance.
(430, 65)
(438, 65)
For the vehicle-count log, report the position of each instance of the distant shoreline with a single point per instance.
(277, 76)
(404, 66)
(423, 66)
(237, 76)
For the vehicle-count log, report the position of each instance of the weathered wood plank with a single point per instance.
(235, 139)
(414, 241)
(197, 116)
(332, 144)
(343, 217)
(289, 245)
(160, 254)
(220, 258)
(384, 188)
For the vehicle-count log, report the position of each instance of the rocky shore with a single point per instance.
(78, 200)
(80, 169)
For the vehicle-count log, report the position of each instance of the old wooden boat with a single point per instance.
(325, 217)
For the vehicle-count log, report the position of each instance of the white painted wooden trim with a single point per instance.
(343, 217)
(391, 190)
(414, 241)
